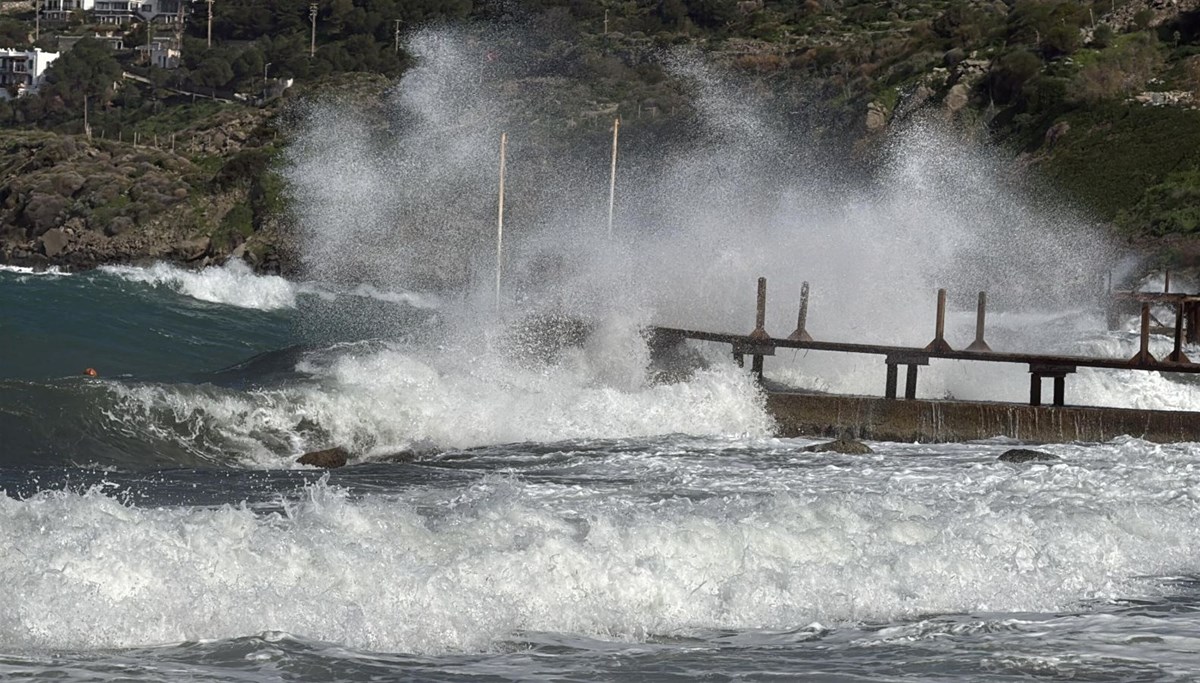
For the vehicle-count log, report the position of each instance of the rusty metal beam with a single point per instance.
(906, 351)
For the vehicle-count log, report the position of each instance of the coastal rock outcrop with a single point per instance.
(1020, 455)
(329, 458)
(847, 446)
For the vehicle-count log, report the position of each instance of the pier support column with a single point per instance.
(1059, 372)
(910, 382)
(911, 361)
(1177, 355)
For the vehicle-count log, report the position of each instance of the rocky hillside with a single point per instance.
(199, 195)
(1098, 97)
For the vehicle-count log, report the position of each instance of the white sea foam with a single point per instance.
(233, 284)
(391, 397)
(52, 271)
(884, 540)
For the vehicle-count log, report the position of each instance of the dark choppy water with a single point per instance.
(561, 521)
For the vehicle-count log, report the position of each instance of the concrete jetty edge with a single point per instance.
(933, 421)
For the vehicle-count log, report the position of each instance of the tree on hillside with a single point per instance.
(1051, 27)
(13, 33)
(87, 70)
(711, 13)
(1009, 74)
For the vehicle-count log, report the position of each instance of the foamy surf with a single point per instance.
(397, 398)
(910, 532)
(232, 284)
(51, 271)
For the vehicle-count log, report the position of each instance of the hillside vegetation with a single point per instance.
(1097, 96)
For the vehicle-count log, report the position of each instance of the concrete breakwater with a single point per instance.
(920, 420)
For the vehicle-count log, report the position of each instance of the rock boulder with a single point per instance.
(328, 458)
(847, 446)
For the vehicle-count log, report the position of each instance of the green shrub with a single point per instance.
(1118, 156)
(1009, 74)
(1172, 206)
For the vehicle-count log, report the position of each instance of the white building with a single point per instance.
(163, 53)
(23, 71)
(160, 11)
(119, 12)
(60, 10)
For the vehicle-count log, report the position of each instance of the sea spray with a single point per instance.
(751, 197)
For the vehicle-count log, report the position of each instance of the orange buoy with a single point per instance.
(91, 372)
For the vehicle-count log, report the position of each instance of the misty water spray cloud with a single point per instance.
(410, 197)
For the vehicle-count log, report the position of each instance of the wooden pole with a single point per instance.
(612, 179)
(500, 220)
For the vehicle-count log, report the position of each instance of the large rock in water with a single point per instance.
(848, 446)
(54, 241)
(328, 458)
(1027, 455)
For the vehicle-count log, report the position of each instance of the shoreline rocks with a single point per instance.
(846, 446)
(330, 458)
(1023, 455)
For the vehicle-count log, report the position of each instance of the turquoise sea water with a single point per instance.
(508, 518)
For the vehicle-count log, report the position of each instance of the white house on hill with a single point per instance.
(114, 11)
(23, 71)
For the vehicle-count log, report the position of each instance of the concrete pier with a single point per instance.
(923, 420)
(919, 420)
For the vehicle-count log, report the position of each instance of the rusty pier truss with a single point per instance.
(891, 418)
